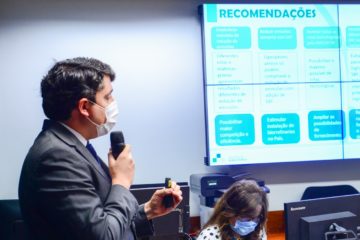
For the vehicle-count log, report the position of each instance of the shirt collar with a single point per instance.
(77, 134)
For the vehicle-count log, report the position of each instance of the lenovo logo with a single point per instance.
(297, 208)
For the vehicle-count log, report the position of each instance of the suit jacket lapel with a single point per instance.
(88, 156)
(67, 137)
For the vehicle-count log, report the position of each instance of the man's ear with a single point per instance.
(83, 106)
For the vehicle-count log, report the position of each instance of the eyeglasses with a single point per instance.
(242, 219)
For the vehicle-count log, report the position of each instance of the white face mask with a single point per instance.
(111, 112)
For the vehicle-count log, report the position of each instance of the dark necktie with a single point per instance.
(93, 152)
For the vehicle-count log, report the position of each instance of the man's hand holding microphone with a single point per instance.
(121, 162)
(122, 167)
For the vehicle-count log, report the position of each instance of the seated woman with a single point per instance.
(240, 213)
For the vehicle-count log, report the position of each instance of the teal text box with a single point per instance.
(280, 128)
(277, 38)
(326, 125)
(353, 37)
(354, 123)
(234, 129)
(230, 37)
(322, 37)
(211, 12)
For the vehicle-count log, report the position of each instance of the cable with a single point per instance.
(181, 226)
(188, 237)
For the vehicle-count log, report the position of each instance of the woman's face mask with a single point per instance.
(111, 112)
(244, 228)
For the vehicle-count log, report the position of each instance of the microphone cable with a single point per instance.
(181, 227)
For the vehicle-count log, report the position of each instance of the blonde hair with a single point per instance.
(242, 199)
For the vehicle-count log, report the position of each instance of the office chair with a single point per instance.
(12, 226)
(328, 191)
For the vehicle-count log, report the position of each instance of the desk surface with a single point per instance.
(276, 236)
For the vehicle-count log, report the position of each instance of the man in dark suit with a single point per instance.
(65, 189)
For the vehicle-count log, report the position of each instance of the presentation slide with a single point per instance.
(282, 82)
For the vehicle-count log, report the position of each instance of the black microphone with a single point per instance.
(117, 143)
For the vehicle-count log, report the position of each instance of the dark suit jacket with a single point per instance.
(65, 194)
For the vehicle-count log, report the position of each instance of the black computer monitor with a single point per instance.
(311, 219)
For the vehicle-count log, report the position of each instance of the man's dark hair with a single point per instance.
(70, 80)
